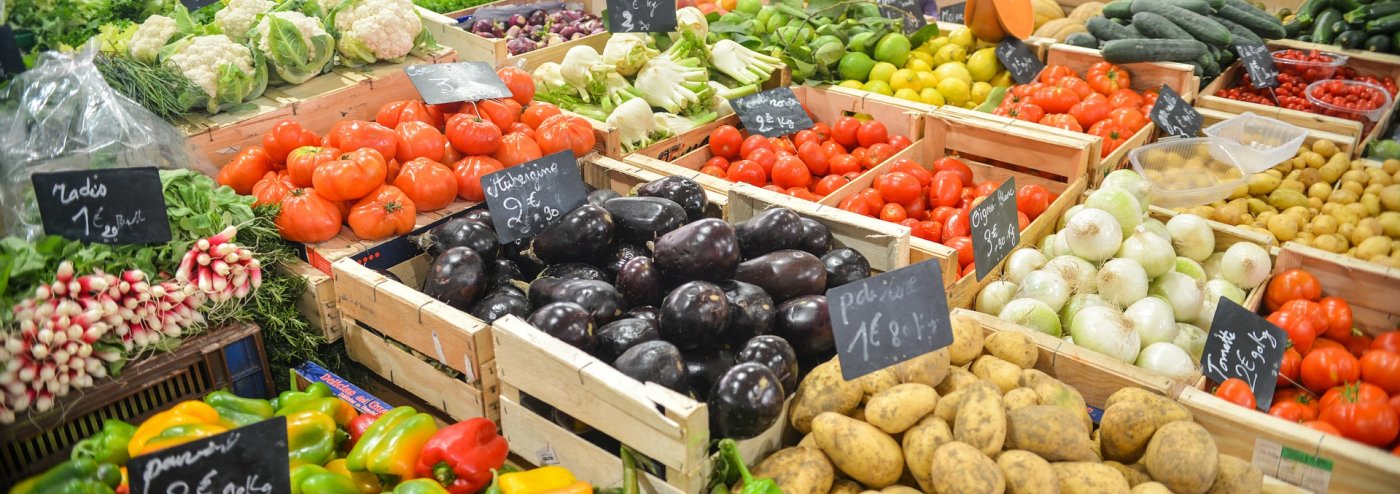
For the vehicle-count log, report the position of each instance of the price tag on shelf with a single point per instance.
(440, 83)
(1017, 57)
(952, 13)
(641, 16)
(527, 198)
(996, 229)
(772, 113)
(1243, 345)
(234, 461)
(1258, 62)
(1174, 115)
(110, 206)
(907, 10)
(1313, 473)
(11, 60)
(887, 319)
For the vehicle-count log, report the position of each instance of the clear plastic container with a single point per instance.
(1258, 143)
(1310, 71)
(1368, 117)
(1188, 172)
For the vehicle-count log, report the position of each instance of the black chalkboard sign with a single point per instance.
(1258, 62)
(194, 5)
(952, 13)
(111, 206)
(884, 320)
(1175, 116)
(440, 83)
(996, 229)
(772, 113)
(11, 61)
(1017, 57)
(641, 16)
(527, 198)
(907, 10)
(1241, 344)
(249, 459)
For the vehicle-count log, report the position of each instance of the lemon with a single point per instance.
(936, 43)
(948, 54)
(878, 87)
(927, 79)
(904, 78)
(953, 70)
(1002, 79)
(908, 94)
(962, 37)
(956, 91)
(856, 65)
(882, 71)
(931, 96)
(892, 48)
(924, 56)
(983, 64)
(851, 83)
(980, 90)
(917, 65)
(970, 105)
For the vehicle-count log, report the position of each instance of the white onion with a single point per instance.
(1032, 314)
(1123, 206)
(1122, 282)
(1181, 291)
(995, 296)
(1093, 234)
(1245, 264)
(1069, 213)
(1215, 289)
(1152, 319)
(1078, 302)
(1212, 265)
(1068, 339)
(1060, 247)
(1188, 267)
(1080, 274)
(1105, 330)
(1130, 182)
(1047, 245)
(1166, 359)
(1021, 262)
(1206, 317)
(1157, 228)
(1191, 236)
(1045, 286)
(1192, 339)
(1152, 252)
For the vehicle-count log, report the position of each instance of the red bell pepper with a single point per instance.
(462, 456)
(358, 426)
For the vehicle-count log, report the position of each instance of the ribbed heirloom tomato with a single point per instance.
(307, 217)
(382, 214)
(469, 172)
(537, 112)
(418, 140)
(286, 136)
(272, 188)
(1324, 368)
(517, 148)
(1289, 285)
(245, 169)
(1063, 121)
(1106, 78)
(352, 176)
(428, 183)
(1236, 390)
(393, 114)
(519, 82)
(302, 162)
(473, 136)
(1382, 368)
(563, 132)
(351, 135)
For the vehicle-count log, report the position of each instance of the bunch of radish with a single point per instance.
(219, 269)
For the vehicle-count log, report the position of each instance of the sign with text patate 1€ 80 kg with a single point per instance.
(890, 318)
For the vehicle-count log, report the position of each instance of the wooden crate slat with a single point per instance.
(457, 399)
(317, 302)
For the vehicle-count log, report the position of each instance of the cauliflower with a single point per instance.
(226, 71)
(296, 46)
(236, 18)
(628, 51)
(368, 31)
(153, 34)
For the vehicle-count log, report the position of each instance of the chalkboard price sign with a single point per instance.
(1017, 57)
(641, 16)
(527, 198)
(440, 83)
(1259, 63)
(111, 206)
(952, 13)
(908, 10)
(11, 61)
(245, 459)
(1243, 345)
(194, 5)
(1174, 115)
(887, 319)
(996, 228)
(772, 113)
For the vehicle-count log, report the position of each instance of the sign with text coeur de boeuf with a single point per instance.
(890, 318)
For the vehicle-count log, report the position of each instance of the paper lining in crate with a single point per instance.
(474, 48)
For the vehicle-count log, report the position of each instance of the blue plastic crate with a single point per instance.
(245, 370)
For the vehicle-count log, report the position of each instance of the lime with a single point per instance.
(882, 71)
(904, 78)
(908, 94)
(953, 70)
(880, 87)
(955, 91)
(749, 6)
(856, 65)
(983, 64)
(931, 96)
(852, 83)
(892, 48)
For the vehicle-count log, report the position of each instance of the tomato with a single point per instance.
(1387, 341)
(519, 82)
(893, 213)
(1329, 367)
(429, 184)
(245, 169)
(748, 172)
(956, 165)
(473, 136)
(1291, 411)
(1129, 118)
(393, 114)
(913, 169)
(1053, 73)
(1235, 390)
(1027, 111)
(566, 132)
(833, 149)
(1114, 135)
(1077, 85)
(1106, 78)
(1338, 314)
(1321, 343)
(802, 193)
(928, 230)
(946, 189)
(846, 131)
(272, 188)
(782, 145)
(900, 143)
(718, 162)
(1382, 368)
(841, 164)
(1322, 427)
(1090, 112)
(713, 171)
(754, 143)
(962, 244)
(517, 148)
(765, 158)
(1300, 397)
(790, 171)
(874, 198)
(501, 112)
(829, 184)
(302, 162)
(862, 156)
(1032, 200)
(856, 204)
(1357, 392)
(958, 225)
(351, 135)
(898, 187)
(942, 214)
(450, 154)
(1125, 98)
(384, 213)
(1289, 368)
(1055, 99)
(1358, 344)
(1289, 285)
(1395, 402)
(1022, 221)
(351, 176)
(1371, 422)
(1062, 121)
(1300, 329)
(878, 154)
(286, 136)
(812, 154)
(536, 113)
(1313, 312)
(418, 140)
(872, 132)
(805, 136)
(307, 217)
(469, 172)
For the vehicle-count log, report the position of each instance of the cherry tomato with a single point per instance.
(1235, 390)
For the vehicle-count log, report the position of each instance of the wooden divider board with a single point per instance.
(317, 303)
(453, 397)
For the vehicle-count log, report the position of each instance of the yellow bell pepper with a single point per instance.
(365, 482)
(188, 412)
(181, 434)
(543, 479)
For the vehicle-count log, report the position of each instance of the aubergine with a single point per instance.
(645, 312)
(785, 274)
(774, 353)
(499, 303)
(642, 219)
(504, 271)
(601, 300)
(655, 361)
(683, 191)
(573, 271)
(805, 322)
(482, 215)
(461, 232)
(602, 196)
(518, 252)
(567, 321)
(584, 235)
(705, 250)
(456, 278)
(771, 230)
(694, 315)
(751, 311)
(745, 401)
(844, 266)
(620, 256)
(616, 337)
(703, 369)
(816, 237)
(639, 282)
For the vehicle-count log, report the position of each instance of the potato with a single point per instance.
(858, 414)
(1013, 347)
(877, 381)
(1001, 373)
(1132, 475)
(1125, 429)
(1237, 476)
(1030, 378)
(919, 443)
(1164, 409)
(981, 419)
(859, 450)
(1182, 456)
(1064, 396)
(957, 378)
(824, 391)
(1088, 478)
(967, 340)
(798, 470)
(947, 407)
(1027, 473)
(900, 407)
(896, 489)
(1150, 488)
(808, 441)
(928, 369)
(960, 468)
(846, 486)
(1020, 398)
(1048, 431)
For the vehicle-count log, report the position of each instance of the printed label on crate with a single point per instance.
(1174, 115)
(1243, 345)
(111, 206)
(772, 113)
(1310, 472)
(11, 60)
(234, 461)
(547, 456)
(952, 13)
(1258, 62)
(641, 16)
(440, 83)
(347, 392)
(1018, 58)
(907, 10)
(525, 199)
(996, 228)
(884, 320)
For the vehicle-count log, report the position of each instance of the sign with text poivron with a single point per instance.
(772, 113)
(527, 198)
(887, 319)
(641, 16)
(110, 206)
(251, 459)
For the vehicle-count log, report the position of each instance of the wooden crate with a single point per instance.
(1343, 142)
(455, 398)
(473, 48)
(317, 302)
(1367, 287)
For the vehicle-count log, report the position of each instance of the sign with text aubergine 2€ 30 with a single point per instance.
(526, 199)
(890, 318)
(251, 459)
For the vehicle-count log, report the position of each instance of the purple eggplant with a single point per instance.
(520, 45)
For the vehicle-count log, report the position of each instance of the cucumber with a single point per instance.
(1293, 28)
(1085, 40)
(1201, 27)
(1372, 12)
(1156, 26)
(1104, 29)
(1227, 57)
(1395, 42)
(1240, 33)
(1384, 25)
(1215, 4)
(1306, 38)
(1345, 5)
(1322, 27)
(1378, 43)
(1118, 9)
(1209, 67)
(1309, 10)
(1351, 39)
(1197, 6)
(1265, 26)
(1152, 50)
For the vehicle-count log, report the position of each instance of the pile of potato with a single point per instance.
(1323, 199)
(978, 418)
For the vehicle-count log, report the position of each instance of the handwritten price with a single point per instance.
(519, 207)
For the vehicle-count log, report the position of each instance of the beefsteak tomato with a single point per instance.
(431, 185)
(393, 114)
(382, 214)
(351, 177)
(245, 170)
(469, 172)
(302, 162)
(350, 135)
(473, 136)
(286, 136)
(418, 140)
(307, 217)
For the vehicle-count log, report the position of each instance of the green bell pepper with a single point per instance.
(80, 476)
(420, 486)
(311, 438)
(314, 479)
(334, 407)
(107, 446)
(730, 451)
(236, 411)
(294, 395)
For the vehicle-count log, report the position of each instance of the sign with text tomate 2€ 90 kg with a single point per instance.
(641, 16)
(251, 459)
(1243, 345)
(887, 319)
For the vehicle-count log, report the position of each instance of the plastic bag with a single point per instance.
(61, 115)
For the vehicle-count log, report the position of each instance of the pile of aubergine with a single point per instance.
(723, 313)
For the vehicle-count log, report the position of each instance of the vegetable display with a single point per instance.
(1195, 32)
(956, 69)
(1100, 103)
(1312, 81)
(535, 29)
(1369, 26)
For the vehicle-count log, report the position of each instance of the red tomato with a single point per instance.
(1125, 98)
(753, 143)
(1054, 73)
(1032, 200)
(789, 172)
(1338, 314)
(1235, 390)
(725, 141)
(814, 156)
(1291, 285)
(1322, 427)
(1290, 367)
(900, 142)
(286, 136)
(1106, 78)
(956, 165)
(1358, 344)
(1300, 329)
(878, 154)
(1088, 112)
(1291, 411)
(845, 131)
(805, 136)
(350, 135)
(1313, 312)
(1062, 121)
(718, 162)
(986, 188)
(1356, 392)
(929, 230)
(874, 198)
(946, 189)
(942, 214)
(1387, 341)
(1077, 85)
(1027, 111)
(898, 187)
(958, 225)
(1055, 99)
(872, 132)
(1382, 368)
(962, 244)
(748, 172)
(841, 164)
(764, 157)
(469, 172)
(1329, 367)
(1371, 422)
(856, 204)
(1022, 221)
(823, 131)
(1297, 395)
(913, 169)
(1128, 117)
(782, 144)
(918, 208)
(713, 171)
(419, 140)
(1114, 135)
(802, 193)
(829, 184)
(893, 213)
